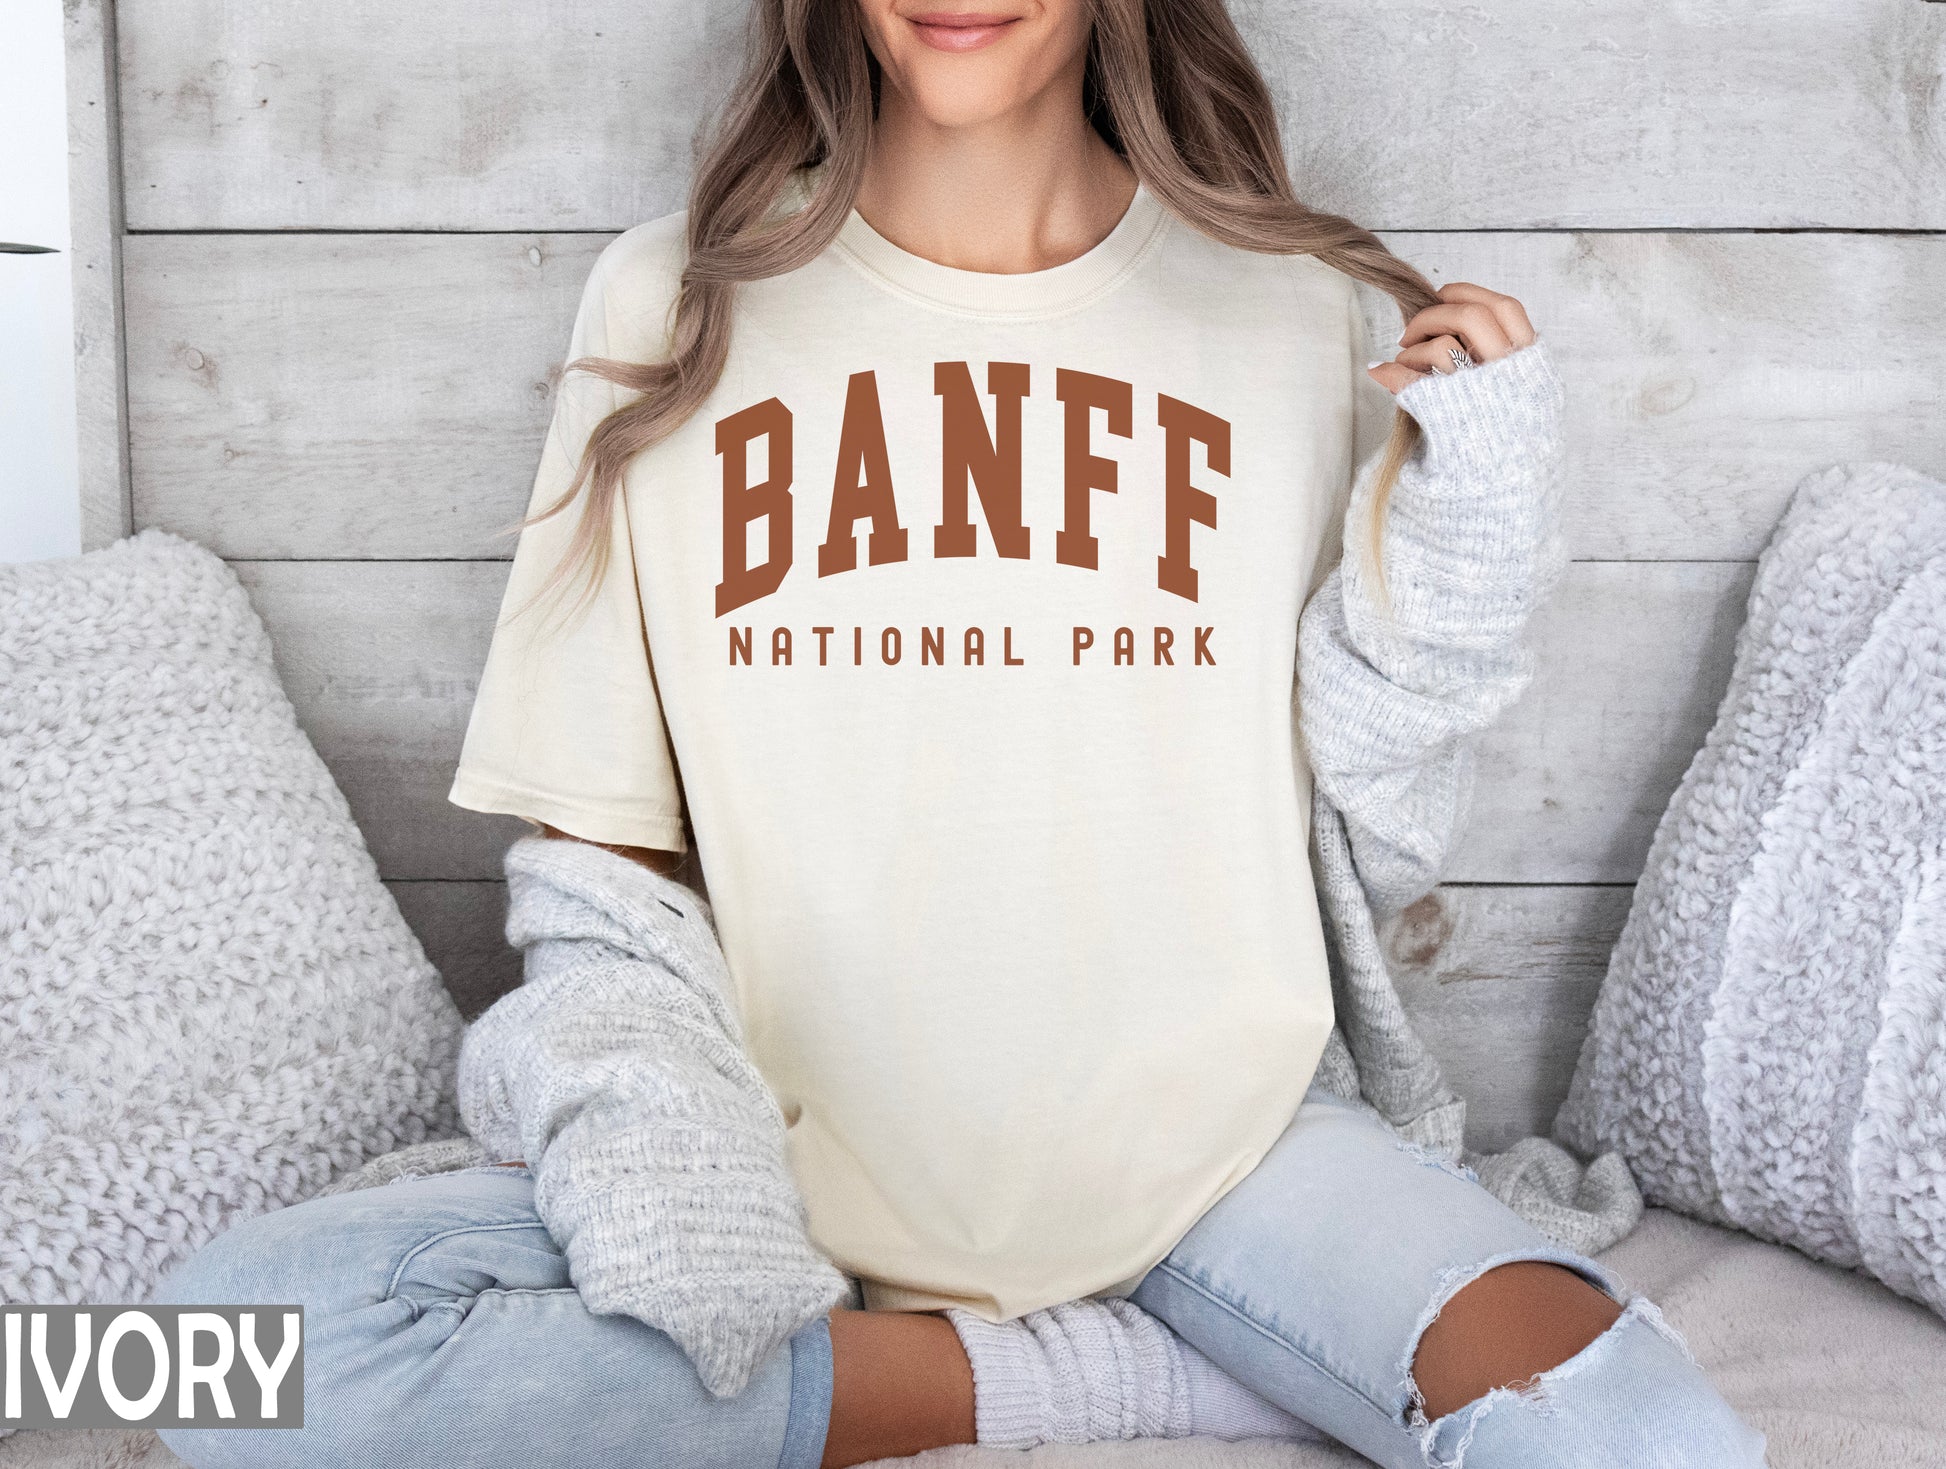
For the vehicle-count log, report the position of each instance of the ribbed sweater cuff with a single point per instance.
(1488, 405)
(1471, 532)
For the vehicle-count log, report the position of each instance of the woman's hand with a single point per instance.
(1483, 323)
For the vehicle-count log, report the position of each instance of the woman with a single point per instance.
(988, 752)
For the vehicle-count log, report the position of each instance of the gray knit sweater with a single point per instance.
(1391, 689)
(617, 1069)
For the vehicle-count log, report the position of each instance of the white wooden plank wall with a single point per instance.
(356, 234)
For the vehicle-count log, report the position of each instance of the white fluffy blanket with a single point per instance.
(1834, 1368)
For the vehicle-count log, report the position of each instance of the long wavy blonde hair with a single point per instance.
(1170, 87)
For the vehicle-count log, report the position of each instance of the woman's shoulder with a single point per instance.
(1272, 294)
(645, 261)
(1371, 313)
(1329, 280)
(632, 289)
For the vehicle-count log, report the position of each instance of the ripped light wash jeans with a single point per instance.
(441, 1328)
(1312, 1280)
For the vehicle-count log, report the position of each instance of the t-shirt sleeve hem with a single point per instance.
(616, 823)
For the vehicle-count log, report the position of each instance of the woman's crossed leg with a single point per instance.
(1358, 1282)
(1375, 1289)
(441, 1328)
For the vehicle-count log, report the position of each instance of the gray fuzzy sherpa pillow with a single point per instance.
(1769, 1047)
(209, 1004)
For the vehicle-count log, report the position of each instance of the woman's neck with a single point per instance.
(1022, 192)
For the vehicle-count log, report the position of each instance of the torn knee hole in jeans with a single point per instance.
(1456, 1428)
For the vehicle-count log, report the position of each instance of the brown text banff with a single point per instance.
(976, 462)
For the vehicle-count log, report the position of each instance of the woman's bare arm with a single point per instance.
(656, 859)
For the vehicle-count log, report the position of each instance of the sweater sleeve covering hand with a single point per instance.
(617, 1070)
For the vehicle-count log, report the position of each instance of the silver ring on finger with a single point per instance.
(1461, 358)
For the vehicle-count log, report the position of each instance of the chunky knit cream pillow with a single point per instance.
(1769, 1047)
(209, 1004)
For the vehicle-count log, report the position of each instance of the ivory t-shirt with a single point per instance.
(961, 621)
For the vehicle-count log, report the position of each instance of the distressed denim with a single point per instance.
(1312, 1280)
(441, 1328)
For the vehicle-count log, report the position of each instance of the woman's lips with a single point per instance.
(959, 31)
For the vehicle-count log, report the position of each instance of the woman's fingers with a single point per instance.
(1392, 376)
(1472, 322)
(1484, 324)
(1489, 323)
(1432, 356)
(1415, 362)
(1511, 315)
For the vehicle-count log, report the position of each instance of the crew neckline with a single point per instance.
(1064, 287)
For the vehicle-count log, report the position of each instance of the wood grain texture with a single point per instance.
(463, 928)
(1501, 981)
(1707, 374)
(377, 396)
(95, 232)
(1632, 662)
(345, 396)
(381, 660)
(448, 114)
(497, 115)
